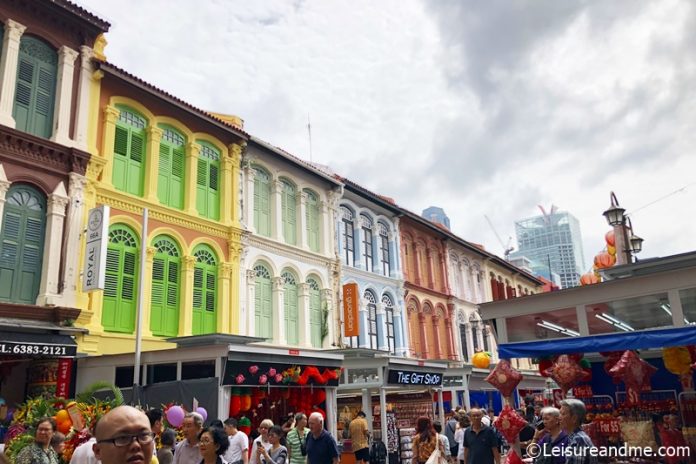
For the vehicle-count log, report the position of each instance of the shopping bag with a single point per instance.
(436, 458)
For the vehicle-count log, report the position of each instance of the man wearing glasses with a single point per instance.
(124, 436)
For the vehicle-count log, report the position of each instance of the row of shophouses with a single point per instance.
(244, 240)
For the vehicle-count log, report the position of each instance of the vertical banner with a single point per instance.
(63, 378)
(94, 271)
(351, 299)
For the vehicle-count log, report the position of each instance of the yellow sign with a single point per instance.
(351, 300)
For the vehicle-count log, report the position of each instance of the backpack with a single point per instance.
(378, 452)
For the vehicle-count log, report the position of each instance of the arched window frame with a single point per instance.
(388, 306)
(371, 329)
(347, 236)
(208, 181)
(312, 220)
(129, 151)
(172, 167)
(120, 291)
(205, 299)
(262, 201)
(384, 248)
(289, 211)
(166, 287)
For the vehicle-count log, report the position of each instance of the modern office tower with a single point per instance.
(553, 239)
(437, 215)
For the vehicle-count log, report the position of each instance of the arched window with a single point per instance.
(129, 152)
(292, 326)
(263, 308)
(388, 306)
(315, 316)
(170, 177)
(384, 249)
(204, 291)
(208, 181)
(464, 336)
(35, 94)
(164, 308)
(347, 232)
(367, 241)
(120, 293)
(371, 319)
(289, 212)
(262, 202)
(312, 220)
(21, 244)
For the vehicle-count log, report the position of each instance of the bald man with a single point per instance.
(124, 436)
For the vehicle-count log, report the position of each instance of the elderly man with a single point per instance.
(579, 443)
(480, 442)
(321, 446)
(124, 436)
(186, 451)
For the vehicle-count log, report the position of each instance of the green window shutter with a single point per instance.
(312, 221)
(163, 170)
(214, 190)
(202, 187)
(119, 304)
(262, 203)
(289, 216)
(136, 168)
(36, 87)
(208, 181)
(204, 291)
(177, 181)
(314, 313)
(120, 169)
(21, 244)
(129, 152)
(291, 314)
(263, 303)
(164, 318)
(170, 172)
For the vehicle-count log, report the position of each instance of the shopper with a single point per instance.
(165, 455)
(425, 442)
(359, 436)
(296, 440)
(480, 442)
(186, 451)
(275, 453)
(40, 451)
(155, 417)
(549, 437)
(212, 444)
(443, 441)
(237, 452)
(464, 422)
(58, 443)
(261, 440)
(124, 436)
(321, 446)
(450, 430)
(572, 416)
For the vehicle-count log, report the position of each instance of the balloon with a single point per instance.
(481, 360)
(610, 238)
(677, 359)
(566, 372)
(635, 373)
(509, 423)
(204, 414)
(175, 416)
(504, 377)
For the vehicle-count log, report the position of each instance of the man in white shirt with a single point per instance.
(186, 451)
(239, 444)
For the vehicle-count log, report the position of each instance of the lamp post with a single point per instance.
(627, 243)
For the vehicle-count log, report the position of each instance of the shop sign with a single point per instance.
(243, 374)
(609, 426)
(403, 377)
(94, 271)
(583, 391)
(37, 349)
(64, 376)
(351, 300)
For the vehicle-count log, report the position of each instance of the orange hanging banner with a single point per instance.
(351, 298)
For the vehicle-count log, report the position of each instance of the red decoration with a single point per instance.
(253, 369)
(566, 372)
(509, 423)
(271, 372)
(263, 379)
(604, 260)
(543, 365)
(635, 373)
(245, 403)
(235, 405)
(504, 377)
(589, 279)
(610, 239)
(319, 396)
(240, 379)
(513, 458)
(278, 378)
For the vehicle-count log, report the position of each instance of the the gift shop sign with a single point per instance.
(404, 377)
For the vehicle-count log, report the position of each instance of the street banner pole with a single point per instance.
(139, 314)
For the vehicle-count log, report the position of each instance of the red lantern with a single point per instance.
(610, 238)
(245, 403)
(235, 405)
(589, 279)
(604, 260)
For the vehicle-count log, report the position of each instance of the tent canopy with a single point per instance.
(659, 338)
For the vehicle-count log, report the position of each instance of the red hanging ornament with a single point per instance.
(509, 423)
(566, 372)
(635, 373)
(504, 377)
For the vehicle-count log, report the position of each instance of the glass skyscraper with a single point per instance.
(553, 240)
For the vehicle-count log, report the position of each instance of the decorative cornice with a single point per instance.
(288, 251)
(371, 276)
(39, 153)
(56, 314)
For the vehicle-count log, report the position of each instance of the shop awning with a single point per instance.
(610, 342)
(37, 345)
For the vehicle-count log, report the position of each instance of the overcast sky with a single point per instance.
(482, 108)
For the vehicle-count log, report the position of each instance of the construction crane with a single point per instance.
(507, 249)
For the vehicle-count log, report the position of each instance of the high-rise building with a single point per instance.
(437, 215)
(554, 240)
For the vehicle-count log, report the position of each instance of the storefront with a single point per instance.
(393, 392)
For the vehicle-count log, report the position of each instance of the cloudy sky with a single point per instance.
(483, 108)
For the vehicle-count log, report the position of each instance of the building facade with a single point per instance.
(44, 94)
(553, 239)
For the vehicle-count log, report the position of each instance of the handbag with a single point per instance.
(436, 458)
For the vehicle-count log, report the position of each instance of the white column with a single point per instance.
(249, 200)
(303, 316)
(382, 327)
(277, 210)
(50, 269)
(82, 109)
(675, 304)
(71, 272)
(8, 70)
(327, 298)
(363, 339)
(470, 334)
(279, 332)
(4, 187)
(250, 303)
(64, 86)
(302, 223)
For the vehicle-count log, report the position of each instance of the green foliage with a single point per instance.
(87, 396)
(17, 444)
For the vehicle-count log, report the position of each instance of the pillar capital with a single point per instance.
(189, 263)
(193, 149)
(67, 55)
(14, 30)
(225, 271)
(251, 276)
(237, 150)
(154, 132)
(150, 253)
(86, 54)
(111, 114)
(277, 284)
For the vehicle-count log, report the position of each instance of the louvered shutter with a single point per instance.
(23, 93)
(291, 319)
(36, 88)
(171, 322)
(312, 223)
(111, 288)
(136, 170)
(210, 313)
(32, 250)
(202, 187)
(128, 292)
(120, 170)
(315, 316)
(45, 96)
(176, 195)
(163, 170)
(262, 308)
(214, 190)
(118, 311)
(157, 296)
(290, 220)
(262, 205)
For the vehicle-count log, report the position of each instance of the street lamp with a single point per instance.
(627, 245)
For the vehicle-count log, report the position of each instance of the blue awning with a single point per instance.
(659, 338)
